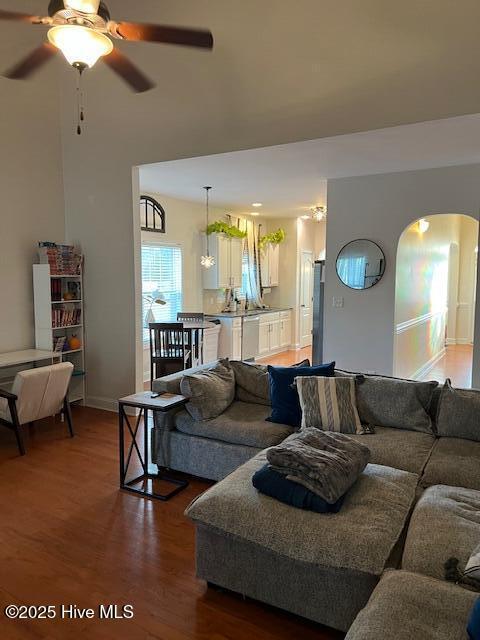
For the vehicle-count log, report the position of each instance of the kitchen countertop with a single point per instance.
(246, 314)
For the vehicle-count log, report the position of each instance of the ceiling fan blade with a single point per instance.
(32, 62)
(161, 33)
(20, 17)
(121, 65)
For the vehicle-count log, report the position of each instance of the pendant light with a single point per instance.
(207, 260)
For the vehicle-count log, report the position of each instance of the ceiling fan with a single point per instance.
(82, 30)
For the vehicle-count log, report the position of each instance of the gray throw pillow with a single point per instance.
(329, 404)
(210, 392)
(393, 402)
(251, 381)
(459, 413)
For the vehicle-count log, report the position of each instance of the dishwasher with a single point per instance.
(250, 337)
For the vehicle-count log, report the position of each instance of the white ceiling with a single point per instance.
(288, 179)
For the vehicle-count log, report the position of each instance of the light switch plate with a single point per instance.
(338, 302)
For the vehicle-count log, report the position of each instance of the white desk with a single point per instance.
(29, 356)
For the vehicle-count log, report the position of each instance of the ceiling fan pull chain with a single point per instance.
(80, 107)
(79, 80)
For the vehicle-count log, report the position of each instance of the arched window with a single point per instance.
(152, 215)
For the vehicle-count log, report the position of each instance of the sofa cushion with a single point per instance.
(360, 537)
(445, 524)
(171, 383)
(454, 462)
(329, 404)
(283, 394)
(407, 606)
(251, 382)
(407, 450)
(393, 402)
(242, 423)
(458, 413)
(209, 392)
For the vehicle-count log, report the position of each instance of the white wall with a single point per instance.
(360, 335)
(422, 294)
(31, 188)
(467, 280)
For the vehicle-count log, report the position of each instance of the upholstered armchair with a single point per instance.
(36, 394)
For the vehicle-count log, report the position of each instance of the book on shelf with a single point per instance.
(66, 317)
(59, 289)
(63, 259)
(59, 344)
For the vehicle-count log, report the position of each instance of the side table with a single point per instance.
(145, 403)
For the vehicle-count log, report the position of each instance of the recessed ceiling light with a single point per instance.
(305, 217)
(257, 204)
(254, 213)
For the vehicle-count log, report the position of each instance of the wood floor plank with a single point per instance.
(69, 536)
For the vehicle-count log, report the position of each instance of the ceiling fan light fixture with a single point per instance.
(84, 6)
(81, 46)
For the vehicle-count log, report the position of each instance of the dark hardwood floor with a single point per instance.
(69, 536)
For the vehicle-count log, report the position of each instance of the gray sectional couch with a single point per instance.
(376, 567)
(214, 448)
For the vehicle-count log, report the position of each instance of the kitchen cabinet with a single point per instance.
(210, 344)
(236, 262)
(269, 337)
(237, 341)
(226, 273)
(285, 329)
(230, 339)
(275, 332)
(270, 265)
(264, 339)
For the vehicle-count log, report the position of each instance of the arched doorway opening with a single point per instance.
(435, 298)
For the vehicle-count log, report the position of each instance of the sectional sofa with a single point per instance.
(376, 567)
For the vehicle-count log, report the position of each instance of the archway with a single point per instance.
(435, 299)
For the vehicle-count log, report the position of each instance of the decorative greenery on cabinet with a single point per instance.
(228, 229)
(276, 237)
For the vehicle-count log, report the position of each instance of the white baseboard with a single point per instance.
(428, 366)
(97, 402)
(454, 341)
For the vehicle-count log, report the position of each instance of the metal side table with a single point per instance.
(145, 403)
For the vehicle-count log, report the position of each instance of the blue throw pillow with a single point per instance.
(284, 397)
(473, 628)
(275, 485)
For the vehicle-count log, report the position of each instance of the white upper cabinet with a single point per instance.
(236, 259)
(227, 271)
(270, 264)
(274, 259)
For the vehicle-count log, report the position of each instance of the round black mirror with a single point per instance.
(360, 264)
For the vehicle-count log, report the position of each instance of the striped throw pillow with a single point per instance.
(329, 404)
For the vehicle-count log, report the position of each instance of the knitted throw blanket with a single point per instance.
(325, 462)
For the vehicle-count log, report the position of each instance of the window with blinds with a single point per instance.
(161, 276)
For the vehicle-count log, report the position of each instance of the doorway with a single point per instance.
(435, 299)
(306, 298)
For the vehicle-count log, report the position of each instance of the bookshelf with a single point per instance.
(57, 318)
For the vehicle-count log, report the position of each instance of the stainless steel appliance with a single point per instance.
(250, 337)
(318, 311)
